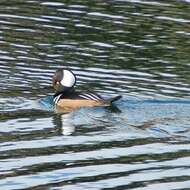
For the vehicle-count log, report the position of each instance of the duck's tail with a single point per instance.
(112, 100)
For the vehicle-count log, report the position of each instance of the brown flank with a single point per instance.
(74, 104)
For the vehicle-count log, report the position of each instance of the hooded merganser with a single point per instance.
(66, 96)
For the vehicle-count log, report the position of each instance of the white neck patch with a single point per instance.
(68, 79)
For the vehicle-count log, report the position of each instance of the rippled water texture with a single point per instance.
(138, 49)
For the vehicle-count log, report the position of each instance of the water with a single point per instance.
(138, 49)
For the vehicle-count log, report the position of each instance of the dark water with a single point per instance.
(139, 49)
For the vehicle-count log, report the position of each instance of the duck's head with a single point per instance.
(63, 80)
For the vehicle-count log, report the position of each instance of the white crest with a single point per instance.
(68, 79)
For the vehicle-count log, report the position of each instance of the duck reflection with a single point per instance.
(63, 123)
(66, 122)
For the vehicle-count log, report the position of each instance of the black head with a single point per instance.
(63, 80)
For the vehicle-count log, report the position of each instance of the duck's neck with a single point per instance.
(65, 91)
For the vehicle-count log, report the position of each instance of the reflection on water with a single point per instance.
(139, 49)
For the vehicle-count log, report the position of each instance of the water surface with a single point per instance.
(139, 49)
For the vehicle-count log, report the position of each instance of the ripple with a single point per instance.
(52, 3)
(173, 19)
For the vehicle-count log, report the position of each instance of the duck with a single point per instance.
(66, 96)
